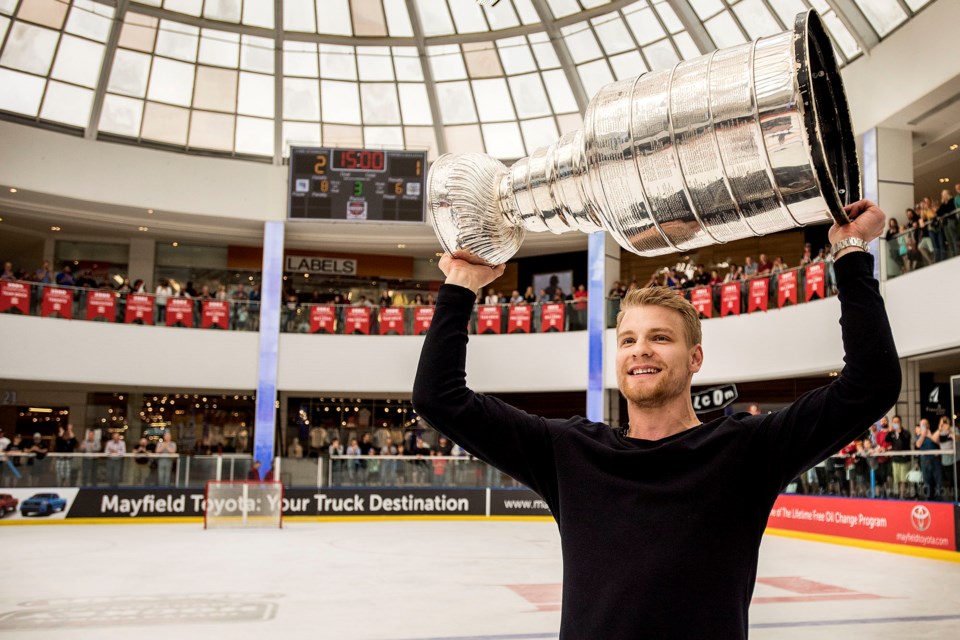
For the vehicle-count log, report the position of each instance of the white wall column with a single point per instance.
(143, 261)
(888, 170)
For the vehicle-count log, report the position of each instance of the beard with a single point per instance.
(667, 388)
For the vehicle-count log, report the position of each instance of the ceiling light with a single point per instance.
(401, 246)
(149, 210)
(12, 190)
(54, 228)
(175, 244)
(954, 147)
(144, 228)
(944, 180)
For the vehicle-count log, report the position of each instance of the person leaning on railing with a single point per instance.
(947, 437)
(65, 443)
(948, 225)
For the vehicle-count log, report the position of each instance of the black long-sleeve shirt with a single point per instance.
(660, 538)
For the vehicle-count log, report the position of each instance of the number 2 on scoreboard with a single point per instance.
(320, 165)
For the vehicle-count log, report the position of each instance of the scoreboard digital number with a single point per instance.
(357, 184)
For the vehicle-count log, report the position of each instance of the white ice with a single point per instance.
(409, 580)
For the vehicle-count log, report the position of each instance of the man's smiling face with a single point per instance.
(655, 363)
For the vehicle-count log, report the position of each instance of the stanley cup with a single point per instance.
(741, 142)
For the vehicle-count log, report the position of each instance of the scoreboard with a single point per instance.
(357, 184)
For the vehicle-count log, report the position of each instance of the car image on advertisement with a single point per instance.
(8, 504)
(42, 504)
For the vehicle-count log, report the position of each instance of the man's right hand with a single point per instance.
(468, 275)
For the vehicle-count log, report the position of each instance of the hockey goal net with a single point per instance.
(246, 504)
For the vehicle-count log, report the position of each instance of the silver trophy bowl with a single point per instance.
(744, 141)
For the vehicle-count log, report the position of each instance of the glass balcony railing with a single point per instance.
(860, 472)
(107, 305)
(920, 247)
(904, 252)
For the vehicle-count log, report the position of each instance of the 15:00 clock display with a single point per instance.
(356, 184)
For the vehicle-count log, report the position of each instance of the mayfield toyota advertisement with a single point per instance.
(60, 503)
(919, 524)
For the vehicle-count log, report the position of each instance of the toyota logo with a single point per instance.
(920, 518)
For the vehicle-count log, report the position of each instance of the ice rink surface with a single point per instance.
(410, 580)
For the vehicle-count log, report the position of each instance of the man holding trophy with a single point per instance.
(661, 520)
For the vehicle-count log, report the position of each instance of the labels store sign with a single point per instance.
(321, 265)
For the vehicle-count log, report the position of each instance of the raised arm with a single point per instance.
(821, 421)
(511, 440)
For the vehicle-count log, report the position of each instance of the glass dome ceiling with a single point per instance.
(249, 78)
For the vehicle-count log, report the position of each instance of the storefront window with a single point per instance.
(93, 264)
(313, 423)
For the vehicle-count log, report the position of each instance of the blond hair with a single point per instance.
(668, 299)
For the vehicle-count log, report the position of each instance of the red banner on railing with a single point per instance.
(488, 319)
(215, 313)
(57, 302)
(391, 321)
(102, 305)
(552, 316)
(518, 320)
(786, 288)
(730, 299)
(816, 273)
(918, 524)
(323, 318)
(180, 312)
(422, 317)
(759, 294)
(15, 296)
(702, 300)
(357, 320)
(139, 309)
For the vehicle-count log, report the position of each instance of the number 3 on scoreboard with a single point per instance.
(358, 188)
(320, 165)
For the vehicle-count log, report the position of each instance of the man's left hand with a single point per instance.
(867, 222)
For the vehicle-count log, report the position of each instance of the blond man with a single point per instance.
(661, 519)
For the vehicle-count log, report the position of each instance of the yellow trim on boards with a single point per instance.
(907, 550)
(158, 520)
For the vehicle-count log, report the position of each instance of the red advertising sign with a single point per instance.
(57, 302)
(323, 318)
(702, 300)
(786, 288)
(180, 312)
(357, 320)
(759, 293)
(15, 295)
(730, 299)
(488, 319)
(215, 313)
(518, 320)
(918, 524)
(391, 321)
(422, 317)
(139, 309)
(815, 281)
(552, 317)
(102, 305)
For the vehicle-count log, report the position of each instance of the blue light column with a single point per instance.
(596, 313)
(271, 284)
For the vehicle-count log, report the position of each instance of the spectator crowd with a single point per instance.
(890, 461)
